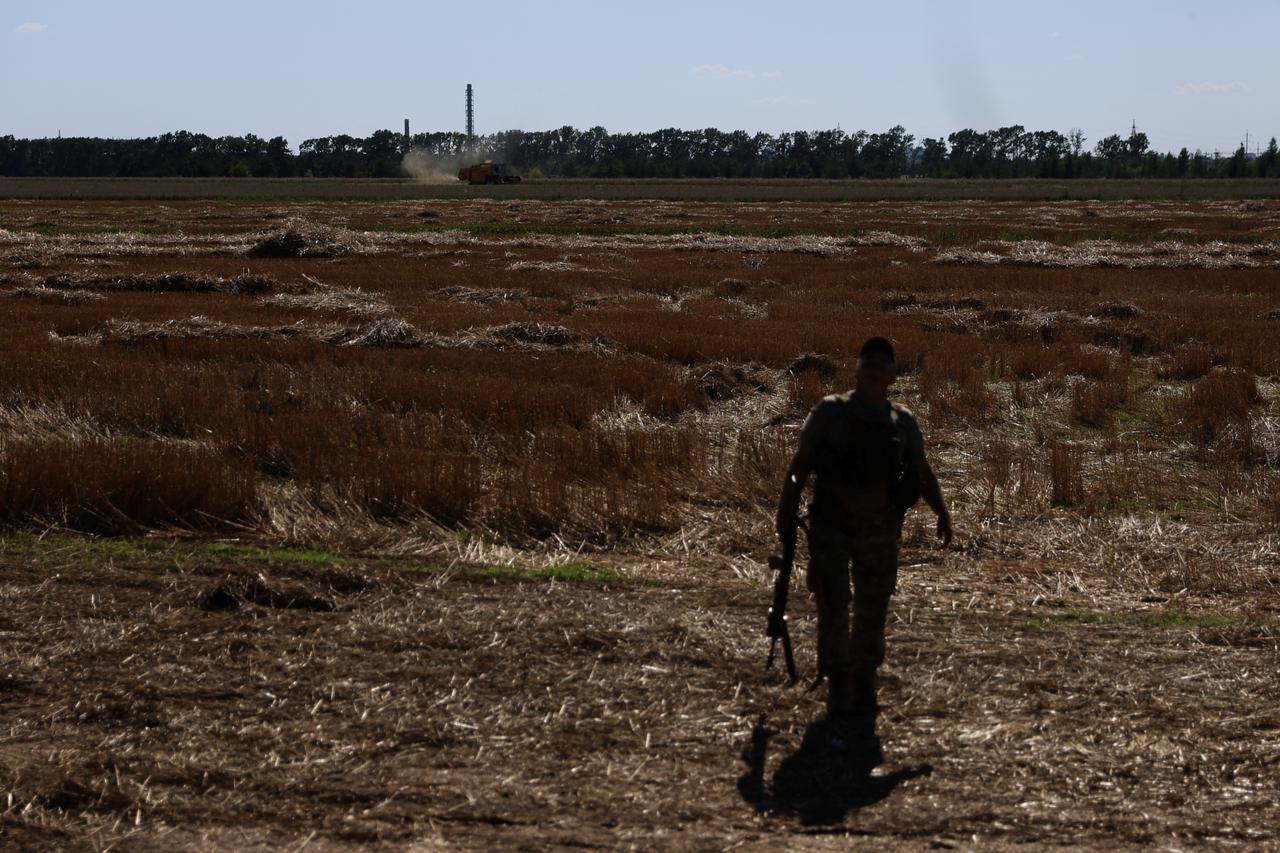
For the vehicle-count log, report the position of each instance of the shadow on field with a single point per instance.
(827, 777)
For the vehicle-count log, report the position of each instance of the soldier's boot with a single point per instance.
(851, 718)
(865, 753)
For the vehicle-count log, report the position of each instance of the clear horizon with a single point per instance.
(1189, 76)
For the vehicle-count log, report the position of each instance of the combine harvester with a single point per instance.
(488, 172)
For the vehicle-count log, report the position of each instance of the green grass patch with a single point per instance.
(24, 545)
(520, 229)
(722, 190)
(951, 236)
(954, 237)
(1178, 509)
(252, 553)
(939, 237)
(71, 230)
(1169, 617)
(71, 549)
(565, 573)
(1018, 235)
(1131, 418)
(1148, 237)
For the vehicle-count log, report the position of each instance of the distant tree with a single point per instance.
(853, 145)
(933, 157)
(1008, 143)
(1237, 166)
(1076, 139)
(1268, 163)
(280, 157)
(1112, 150)
(970, 153)
(1136, 146)
(11, 155)
(885, 154)
(1005, 152)
(1046, 149)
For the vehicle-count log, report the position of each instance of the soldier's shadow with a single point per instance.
(829, 776)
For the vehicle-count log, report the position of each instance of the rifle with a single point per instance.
(776, 629)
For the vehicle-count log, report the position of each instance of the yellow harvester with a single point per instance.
(488, 172)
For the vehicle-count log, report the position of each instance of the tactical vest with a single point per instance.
(864, 454)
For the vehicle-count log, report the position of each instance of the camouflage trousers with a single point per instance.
(862, 549)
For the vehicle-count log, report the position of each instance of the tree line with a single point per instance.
(1007, 152)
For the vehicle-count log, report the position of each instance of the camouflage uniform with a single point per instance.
(856, 517)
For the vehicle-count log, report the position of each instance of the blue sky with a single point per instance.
(1191, 73)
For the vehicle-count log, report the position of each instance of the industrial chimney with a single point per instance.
(406, 130)
(471, 114)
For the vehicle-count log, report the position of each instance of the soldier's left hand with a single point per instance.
(944, 529)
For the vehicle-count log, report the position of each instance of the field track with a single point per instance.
(431, 523)
(919, 189)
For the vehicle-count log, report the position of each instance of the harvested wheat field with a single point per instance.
(434, 524)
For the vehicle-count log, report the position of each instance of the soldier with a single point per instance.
(867, 455)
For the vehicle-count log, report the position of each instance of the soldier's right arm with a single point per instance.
(797, 475)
